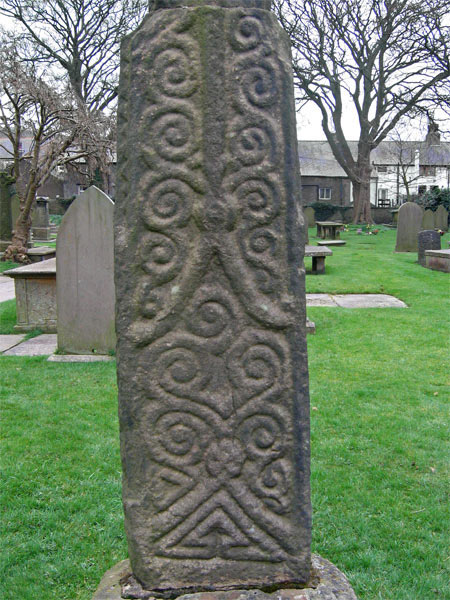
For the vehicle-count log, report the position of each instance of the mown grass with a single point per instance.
(379, 415)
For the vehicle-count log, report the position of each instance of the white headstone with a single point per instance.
(85, 276)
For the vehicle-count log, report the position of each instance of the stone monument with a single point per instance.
(441, 218)
(428, 220)
(85, 276)
(427, 240)
(408, 226)
(210, 298)
(41, 219)
(310, 216)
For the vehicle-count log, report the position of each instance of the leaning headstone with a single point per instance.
(408, 226)
(212, 366)
(7, 192)
(427, 240)
(441, 218)
(428, 220)
(41, 219)
(85, 281)
(310, 216)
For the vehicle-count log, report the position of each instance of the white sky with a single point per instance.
(309, 126)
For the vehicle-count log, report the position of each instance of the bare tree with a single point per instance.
(383, 57)
(81, 37)
(35, 103)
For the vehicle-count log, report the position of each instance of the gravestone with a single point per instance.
(7, 192)
(441, 218)
(310, 216)
(428, 220)
(212, 366)
(408, 226)
(41, 220)
(427, 240)
(85, 280)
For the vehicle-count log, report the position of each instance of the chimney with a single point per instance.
(433, 137)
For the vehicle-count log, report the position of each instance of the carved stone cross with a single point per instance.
(212, 368)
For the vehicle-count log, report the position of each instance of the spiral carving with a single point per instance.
(173, 134)
(272, 486)
(246, 32)
(210, 313)
(168, 204)
(254, 143)
(256, 364)
(258, 83)
(258, 198)
(161, 257)
(181, 438)
(175, 70)
(262, 436)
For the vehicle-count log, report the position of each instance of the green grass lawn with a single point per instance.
(379, 397)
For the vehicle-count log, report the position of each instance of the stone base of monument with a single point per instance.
(327, 583)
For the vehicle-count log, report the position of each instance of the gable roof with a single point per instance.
(317, 159)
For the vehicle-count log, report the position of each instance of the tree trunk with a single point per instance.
(17, 250)
(361, 192)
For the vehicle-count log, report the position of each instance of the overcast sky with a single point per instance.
(309, 126)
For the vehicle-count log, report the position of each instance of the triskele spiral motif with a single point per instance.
(258, 82)
(167, 204)
(161, 257)
(173, 134)
(175, 69)
(180, 440)
(254, 143)
(262, 436)
(255, 364)
(246, 31)
(259, 199)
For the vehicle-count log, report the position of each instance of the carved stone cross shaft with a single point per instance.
(212, 368)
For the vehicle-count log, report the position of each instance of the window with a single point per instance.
(324, 193)
(427, 170)
(382, 194)
(422, 189)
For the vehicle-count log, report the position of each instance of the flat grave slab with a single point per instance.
(38, 346)
(79, 358)
(368, 301)
(331, 243)
(8, 341)
(320, 300)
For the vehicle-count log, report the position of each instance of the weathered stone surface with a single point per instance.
(438, 260)
(85, 284)
(212, 366)
(329, 584)
(41, 219)
(331, 243)
(368, 301)
(79, 358)
(35, 292)
(441, 218)
(428, 219)
(37, 346)
(427, 240)
(408, 226)
(9, 341)
(310, 216)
